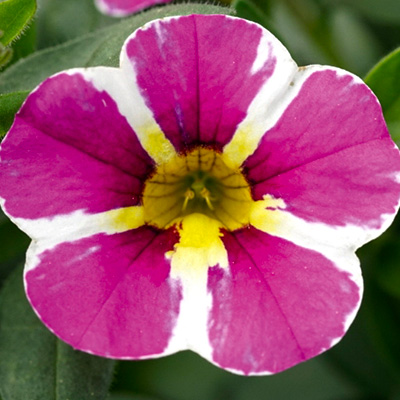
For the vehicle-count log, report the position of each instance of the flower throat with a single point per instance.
(197, 182)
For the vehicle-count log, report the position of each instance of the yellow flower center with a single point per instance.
(201, 196)
(197, 183)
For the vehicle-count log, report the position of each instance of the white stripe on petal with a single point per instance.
(338, 243)
(191, 330)
(120, 84)
(47, 233)
(270, 104)
(266, 108)
(190, 261)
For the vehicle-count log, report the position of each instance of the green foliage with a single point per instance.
(15, 15)
(13, 244)
(366, 355)
(384, 80)
(25, 45)
(387, 11)
(60, 20)
(250, 10)
(125, 396)
(389, 274)
(352, 41)
(5, 55)
(9, 105)
(316, 33)
(186, 375)
(34, 364)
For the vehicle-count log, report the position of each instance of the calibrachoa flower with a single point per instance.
(208, 194)
(122, 8)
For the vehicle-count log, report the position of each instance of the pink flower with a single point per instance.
(122, 8)
(208, 194)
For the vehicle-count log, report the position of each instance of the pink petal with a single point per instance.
(70, 149)
(199, 74)
(329, 157)
(121, 8)
(278, 305)
(108, 295)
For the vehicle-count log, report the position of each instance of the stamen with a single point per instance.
(189, 195)
(205, 193)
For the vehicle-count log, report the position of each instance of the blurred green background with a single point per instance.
(351, 34)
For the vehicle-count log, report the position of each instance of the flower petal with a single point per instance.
(329, 157)
(71, 149)
(121, 8)
(279, 304)
(195, 77)
(107, 295)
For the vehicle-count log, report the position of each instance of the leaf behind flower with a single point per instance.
(34, 364)
(384, 80)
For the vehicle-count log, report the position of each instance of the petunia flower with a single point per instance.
(122, 8)
(206, 195)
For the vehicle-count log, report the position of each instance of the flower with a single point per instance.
(208, 194)
(122, 8)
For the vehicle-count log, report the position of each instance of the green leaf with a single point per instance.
(370, 351)
(9, 105)
(383, 325)
(358, 356)
(98, 48)
(258, 12)
(15, 15)
(385, 261)
(13, 245)
(248, 9)
(60, 20)
(5, 55)
(302, 27)
(381, 302)
(26, 44)
(126, 396)
(34, 364)
(384, 80)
